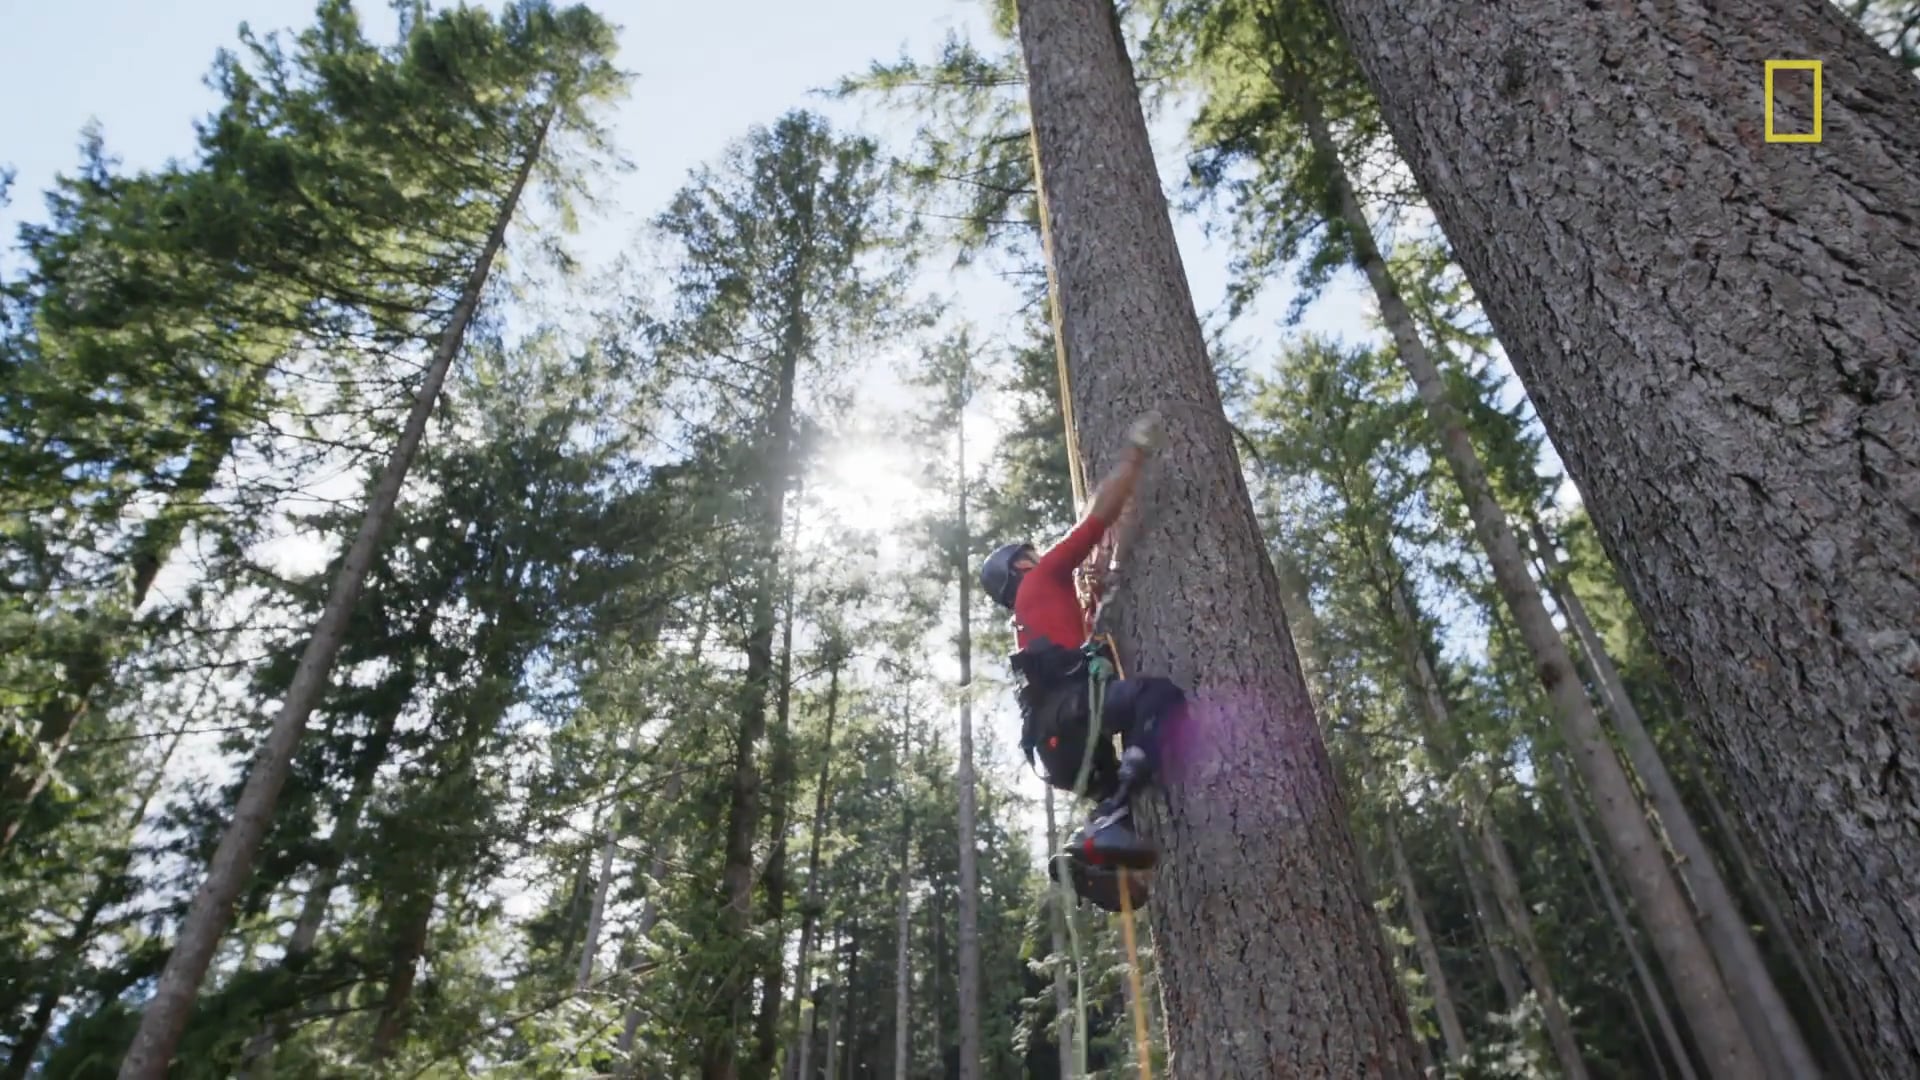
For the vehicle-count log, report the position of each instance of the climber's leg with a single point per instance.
(1140, 711)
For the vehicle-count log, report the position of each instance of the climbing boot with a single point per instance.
(1109, 840)
(1100, 885)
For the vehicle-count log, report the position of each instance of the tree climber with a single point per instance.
(1055, 663)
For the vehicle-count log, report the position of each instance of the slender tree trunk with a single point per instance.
(1057, 924)
(1258, 813)
(1442, 742)
(811, 904)
(903, 920)
(596, 917)
(211, 913)
(841, 1001)
(1449, 1017)
(1487, 916)
(413, 919)
(1782, 931)
(1764, 1011)
(969, 906)
(718, 1057)
(1613, 227)
(1683, 950)
(649, 916)
(1646, 1036)
(774, 879)
(1617, 912)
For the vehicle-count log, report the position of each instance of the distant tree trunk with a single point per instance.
(411, 919)
(1751, 474)
(1765, 1013)
(1254, 822)
(1646, 1036)
(903, 916)
(596, 916)
(211, 913)
(1443, 1007)
(1388, 578)
(1057, 923)
(810, 906)
(774, 879)
(1487, 915)
(718, 1057)
(1683, 950)
(969, 906)
(1782, 931)
(1676, 1047)
(649, 917)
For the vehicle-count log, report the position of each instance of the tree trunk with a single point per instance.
(1765, 1013)
(1057, 923)
(1617, 912)
(1721, 339)
(649, 916)
(1486, 916)
(718, 1057)
(1703, 996)
(969, 905)
(1781, 930)
(1443, 1007)
(413, 919)
(810, 906)
(774, 879)
(1255, 822)
(596, 917)
(211, 913)
(903, 920)
(1388, 578)
(1646, 1036)
(841, 1001)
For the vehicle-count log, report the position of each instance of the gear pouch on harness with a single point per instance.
(1053, 711)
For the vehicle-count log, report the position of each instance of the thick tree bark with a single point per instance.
(810, 906)
(1250, 818)
(1683, 951)
(1721, 337)
(1617, 912)
(1450, 1028)
(211, 913)
(1765, 1013)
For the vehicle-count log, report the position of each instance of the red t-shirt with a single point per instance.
(1046, 604)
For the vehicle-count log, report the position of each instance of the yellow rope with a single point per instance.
(1143, 1049)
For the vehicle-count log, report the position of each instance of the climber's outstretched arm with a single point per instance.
(1116, 491)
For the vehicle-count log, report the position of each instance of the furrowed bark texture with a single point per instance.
(1721, 337)
(1272, 962)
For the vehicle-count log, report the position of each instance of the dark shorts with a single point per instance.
(1056, 728)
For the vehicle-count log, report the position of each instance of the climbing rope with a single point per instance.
(1097, 662)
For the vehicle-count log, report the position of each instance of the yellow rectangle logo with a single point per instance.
(1793, 65)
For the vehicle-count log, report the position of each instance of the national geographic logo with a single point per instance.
(1793, 65)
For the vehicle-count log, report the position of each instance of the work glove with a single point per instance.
(1146, 433)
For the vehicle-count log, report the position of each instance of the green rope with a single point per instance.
(1097, 674)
